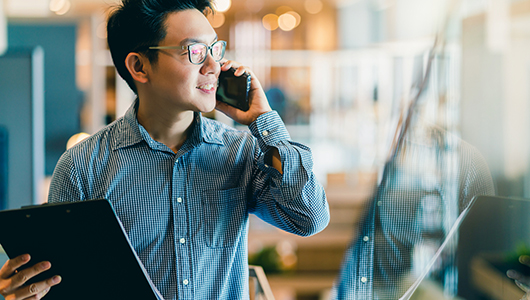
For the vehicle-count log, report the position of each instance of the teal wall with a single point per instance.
(61, 97)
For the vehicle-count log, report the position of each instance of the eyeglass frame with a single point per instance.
(208, 49)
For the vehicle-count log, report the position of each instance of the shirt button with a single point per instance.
(185, 282)
(177, 161)
(179, 200)
(182, 240)
(364, 279)
(379, 203)
(265, 133)
(366, 238)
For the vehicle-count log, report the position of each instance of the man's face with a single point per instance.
(173, 79)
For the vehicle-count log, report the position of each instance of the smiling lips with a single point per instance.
(210, 87)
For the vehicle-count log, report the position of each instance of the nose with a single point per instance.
(210, 66)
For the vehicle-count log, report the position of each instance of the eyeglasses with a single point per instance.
(198, 52)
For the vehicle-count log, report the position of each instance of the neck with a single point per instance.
(165, 125)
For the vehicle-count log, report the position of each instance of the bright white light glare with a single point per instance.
(296, 16)
(313, 6)
(56, 5)
(270, 22)
(60, 7)
(65, 8)
(287, 22)
(222, 5)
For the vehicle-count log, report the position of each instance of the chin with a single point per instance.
(207, 108)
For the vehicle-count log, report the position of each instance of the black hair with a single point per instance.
(136, 25)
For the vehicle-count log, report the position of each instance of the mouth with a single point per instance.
(208, 88)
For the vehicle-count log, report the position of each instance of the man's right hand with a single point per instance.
(13, 283)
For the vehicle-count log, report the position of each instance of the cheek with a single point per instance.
(184, 78)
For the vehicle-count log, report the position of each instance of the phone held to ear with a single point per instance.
(233, 90)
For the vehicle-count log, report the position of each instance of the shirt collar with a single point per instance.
(208, 131)
(130, 131)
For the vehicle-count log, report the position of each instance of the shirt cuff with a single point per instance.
(269, 130)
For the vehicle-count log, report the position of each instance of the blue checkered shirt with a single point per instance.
(425, 187)
(186, 213)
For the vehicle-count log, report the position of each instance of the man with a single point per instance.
(183, 185)
(426, 187)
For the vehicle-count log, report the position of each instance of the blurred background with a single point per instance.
(341, 73)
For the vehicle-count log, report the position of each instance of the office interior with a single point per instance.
(356, 80)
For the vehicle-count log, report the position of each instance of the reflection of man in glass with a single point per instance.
(425, 187)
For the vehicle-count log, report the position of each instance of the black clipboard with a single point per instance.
(86, 245)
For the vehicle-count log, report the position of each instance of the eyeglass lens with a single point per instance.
(198, 52)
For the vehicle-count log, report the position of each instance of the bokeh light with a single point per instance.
(217, 20)
(283, 9)
(60, 7)
(222, 5)
(270, 22)
(313, 6)
(287, 22)
(254, 5)
(76, 138)
(296, 16)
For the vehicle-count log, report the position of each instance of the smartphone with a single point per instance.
(233, 90)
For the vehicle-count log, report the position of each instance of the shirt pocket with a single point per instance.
(225, 216)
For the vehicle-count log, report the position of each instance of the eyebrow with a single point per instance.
(188, 41)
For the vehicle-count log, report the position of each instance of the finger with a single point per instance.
(525, 260)
(39, 295)
(21, 277)
(227, 65)
(12, 265)
(522, 286)
(221, 106)
(223, 62)
(240, 71)
(514, 274)
(33, 290)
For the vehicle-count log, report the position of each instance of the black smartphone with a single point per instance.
(233, 90)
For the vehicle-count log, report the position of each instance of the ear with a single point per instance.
(136, 64)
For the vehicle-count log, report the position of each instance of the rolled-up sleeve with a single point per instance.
(293, 201)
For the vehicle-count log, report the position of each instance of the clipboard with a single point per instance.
(86, 245)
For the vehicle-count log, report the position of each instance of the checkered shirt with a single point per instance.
(186, 213)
